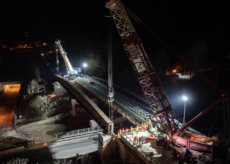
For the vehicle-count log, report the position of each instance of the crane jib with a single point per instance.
(142, 66)
(136, 58)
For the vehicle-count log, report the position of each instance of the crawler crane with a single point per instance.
(152, 87)
(71, 72)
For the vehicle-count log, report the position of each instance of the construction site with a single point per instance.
(142, 114)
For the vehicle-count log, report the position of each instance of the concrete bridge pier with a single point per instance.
(112, 149)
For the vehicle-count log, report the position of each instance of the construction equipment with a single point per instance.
(151, 85)
(71, 72)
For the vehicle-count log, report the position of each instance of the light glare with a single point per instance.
(85, 65)
(185, 98)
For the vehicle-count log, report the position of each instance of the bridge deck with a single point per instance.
(122, 103)
(88, 104)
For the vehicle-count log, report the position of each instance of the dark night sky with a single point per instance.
(180, 23)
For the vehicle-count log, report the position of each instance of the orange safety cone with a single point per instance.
(151, 135)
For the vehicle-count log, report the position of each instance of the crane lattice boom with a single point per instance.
(142, 66)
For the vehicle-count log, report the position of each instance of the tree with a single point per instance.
(161, 60)
(36, 72)
(96, 52)
(197, 54)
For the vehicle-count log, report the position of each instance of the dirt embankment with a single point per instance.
(37, 105)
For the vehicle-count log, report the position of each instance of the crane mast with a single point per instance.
(69, 68)
(143, 69)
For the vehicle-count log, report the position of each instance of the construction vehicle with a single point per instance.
(71, 72)
(153, 90)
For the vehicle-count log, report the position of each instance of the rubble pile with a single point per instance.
(38, 105)
(33, 87)
(13, 133)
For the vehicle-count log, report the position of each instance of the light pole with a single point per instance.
(185, 99)
(84, 65)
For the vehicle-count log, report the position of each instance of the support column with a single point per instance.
(110, 67)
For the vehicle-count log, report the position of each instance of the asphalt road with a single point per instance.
(48, 154)
(71, 149)
(8, 101)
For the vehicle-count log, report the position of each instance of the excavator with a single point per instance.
(181, 141)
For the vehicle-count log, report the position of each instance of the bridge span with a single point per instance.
(96, 113)
(135, 110)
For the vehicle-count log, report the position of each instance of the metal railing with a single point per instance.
(119, 88)
(117, 91)
(134, 112)
(131, 101)
(87, 88)
(72, 135)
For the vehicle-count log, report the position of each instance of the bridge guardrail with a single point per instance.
(137, 114)
(93, 91)
(59, 137)
(117, 88)
(120, 94)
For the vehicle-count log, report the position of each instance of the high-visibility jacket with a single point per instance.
(137, 129)
(137, 138)
(131, 128)
(132, 132)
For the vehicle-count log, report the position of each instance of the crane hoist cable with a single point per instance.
(219, 90)
(212, 84)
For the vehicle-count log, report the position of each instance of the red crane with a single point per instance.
(151, 85)
(143, 69)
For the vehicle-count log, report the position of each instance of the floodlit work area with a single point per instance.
(8, 102)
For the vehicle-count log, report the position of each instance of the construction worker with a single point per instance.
(137, 129)
(132, 133)
(150, 121)
(156, 128)
(123, 131)
(137, 139)
(131, 128)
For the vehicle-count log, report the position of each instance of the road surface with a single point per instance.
(104, 91)
(48, 154)
(8, 101)
(71, 149)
